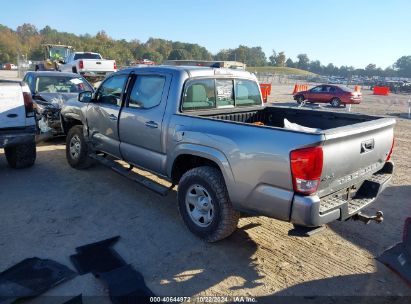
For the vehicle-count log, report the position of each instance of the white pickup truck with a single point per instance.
(88, 64)
(17, 124)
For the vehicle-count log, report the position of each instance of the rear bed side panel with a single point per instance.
(258, 158)
(355, 153)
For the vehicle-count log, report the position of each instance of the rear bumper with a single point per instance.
(14, 137)
(312, 211)
(95, 73)
(353, 101)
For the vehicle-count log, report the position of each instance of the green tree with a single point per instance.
(303, 61)
(371, 69)
(403, 66)
(154, 56)
(280, 61)
(290, 63)
(315, 67)
(273, 58)
(179, 54)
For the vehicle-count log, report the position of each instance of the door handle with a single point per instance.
(151, 124)
(112, 117)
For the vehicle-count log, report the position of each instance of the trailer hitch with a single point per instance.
(366, 219)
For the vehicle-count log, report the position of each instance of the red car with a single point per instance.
(332, 94)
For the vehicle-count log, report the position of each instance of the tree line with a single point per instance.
(27, 40)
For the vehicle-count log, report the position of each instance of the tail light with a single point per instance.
(392, 148)
(306, 169)
(115, 66)
(28, 101)
(28, 104)
(81, 64)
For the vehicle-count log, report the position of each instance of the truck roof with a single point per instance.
(192, 71)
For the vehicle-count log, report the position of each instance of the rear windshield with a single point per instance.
(203, 94)
(346, 89)
(87, 56)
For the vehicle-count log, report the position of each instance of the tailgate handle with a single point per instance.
(98, 62)
(12, 115)
(367, 146)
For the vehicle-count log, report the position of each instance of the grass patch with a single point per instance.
(279, 70)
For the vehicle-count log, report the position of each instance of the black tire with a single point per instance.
(300, 99)
(21, 156)
(75, 138)
(225, 217)
(74, 69)
(335, 102)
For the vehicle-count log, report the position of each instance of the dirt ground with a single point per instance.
(49, 209)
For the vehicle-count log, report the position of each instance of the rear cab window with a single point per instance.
(87, 56)
(204, 94)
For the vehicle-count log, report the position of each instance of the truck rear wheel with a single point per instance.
(21, 156)
(204, 204)
(77, 149)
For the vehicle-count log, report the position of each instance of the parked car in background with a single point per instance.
(332, 94)
(88, 64)
(207, 131)
(50, 90)
(9, 66)
(17, 124)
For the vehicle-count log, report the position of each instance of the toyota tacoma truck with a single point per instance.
(17, 124)
(88, 64)
(207, 131)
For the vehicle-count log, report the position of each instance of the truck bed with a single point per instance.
(274, 117)
(344, 136)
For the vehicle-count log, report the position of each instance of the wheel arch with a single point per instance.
(188, 156)
(67, 122)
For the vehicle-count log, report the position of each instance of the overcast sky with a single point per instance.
(344, 32)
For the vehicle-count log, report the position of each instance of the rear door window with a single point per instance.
(247, 93)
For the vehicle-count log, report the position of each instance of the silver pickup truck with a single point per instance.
(208, 131)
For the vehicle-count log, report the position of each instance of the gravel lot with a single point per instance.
(49, 209)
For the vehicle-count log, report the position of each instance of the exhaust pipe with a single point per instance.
(366, 219)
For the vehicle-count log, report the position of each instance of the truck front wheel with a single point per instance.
(77, 149)
(21, 156)
(204, 204)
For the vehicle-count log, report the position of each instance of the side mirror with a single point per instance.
(85, 96)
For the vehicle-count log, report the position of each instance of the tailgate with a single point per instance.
(98, 65)
(353, 153)
(12, 111)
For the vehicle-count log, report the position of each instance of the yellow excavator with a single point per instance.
(54, 54)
